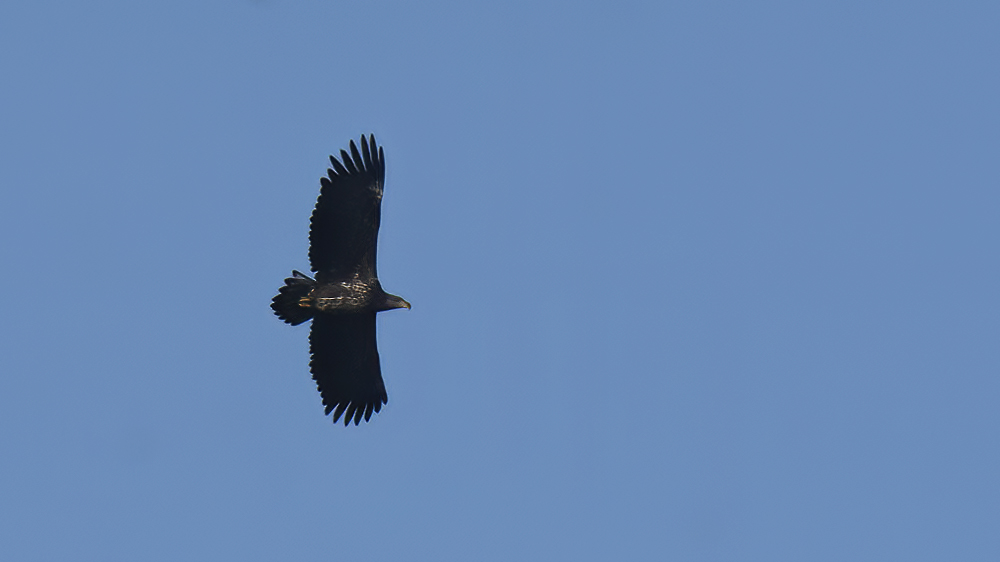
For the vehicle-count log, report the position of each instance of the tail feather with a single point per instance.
(286, 303)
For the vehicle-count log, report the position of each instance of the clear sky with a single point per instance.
(690, 280)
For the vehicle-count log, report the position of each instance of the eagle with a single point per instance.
(345, 294)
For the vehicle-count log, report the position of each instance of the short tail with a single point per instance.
(286, 304)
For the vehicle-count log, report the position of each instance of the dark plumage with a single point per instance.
(345, 295)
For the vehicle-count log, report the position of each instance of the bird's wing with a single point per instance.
(344, 228)
(345, 365)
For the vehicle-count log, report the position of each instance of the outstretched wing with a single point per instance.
(345, 365)
(344, 229)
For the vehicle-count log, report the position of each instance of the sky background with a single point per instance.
(690, 280)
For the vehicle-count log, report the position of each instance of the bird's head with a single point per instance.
(392, 301)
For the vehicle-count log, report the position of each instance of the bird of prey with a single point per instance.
(345, 295)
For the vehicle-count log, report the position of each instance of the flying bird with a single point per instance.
(345, 294)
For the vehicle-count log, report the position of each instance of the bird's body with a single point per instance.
(346, 294)
(345, 297)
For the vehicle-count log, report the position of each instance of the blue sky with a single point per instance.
(690, 281)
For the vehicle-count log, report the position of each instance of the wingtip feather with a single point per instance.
(347, 160)
(339, 411)
(359, 163)
(367, 155)
(341, 170)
